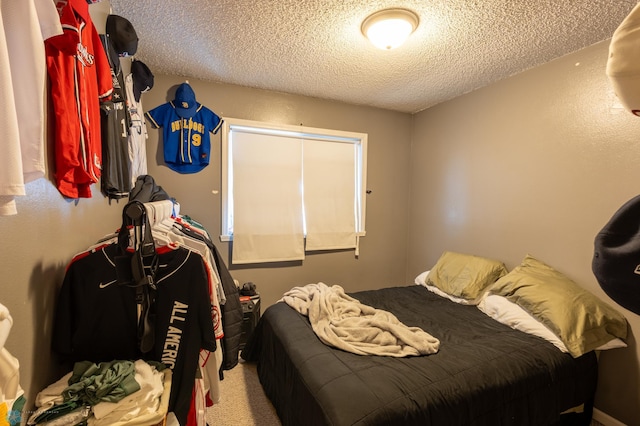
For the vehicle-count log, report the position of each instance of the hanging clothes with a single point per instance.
(80, 77)
(210, 362)
(178, 232)
(170, 312)
(119, 41)
(24, 25)
(139, 81)
(146, 190)
(231, 310)
(115, 181)
(186, 126)
(182, 317)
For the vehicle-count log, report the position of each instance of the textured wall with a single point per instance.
(459, 46)
(535, 164)
(48, 231)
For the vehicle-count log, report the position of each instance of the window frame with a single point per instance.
(299, 132)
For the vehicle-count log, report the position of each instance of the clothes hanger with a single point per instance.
(138, 270)
(160, 214)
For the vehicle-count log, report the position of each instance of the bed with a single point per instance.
(484, 373)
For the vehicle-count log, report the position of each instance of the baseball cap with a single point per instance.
(623, 66)
(122, 34)
(142, 78)
(616, 257)
(185, 101)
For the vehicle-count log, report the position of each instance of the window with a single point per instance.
(291, 189)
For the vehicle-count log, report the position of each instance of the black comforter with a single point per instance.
(485, 373)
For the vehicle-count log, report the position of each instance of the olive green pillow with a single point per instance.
(581, 320)
(463, 275)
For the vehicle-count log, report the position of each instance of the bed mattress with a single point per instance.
(484, 373)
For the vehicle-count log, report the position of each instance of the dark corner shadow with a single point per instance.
(618, 379)
(160, 150)
(43, 289)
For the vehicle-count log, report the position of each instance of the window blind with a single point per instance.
(291, 189)
(267, 198)
(328, 168)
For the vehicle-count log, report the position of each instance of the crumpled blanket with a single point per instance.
(341, 321)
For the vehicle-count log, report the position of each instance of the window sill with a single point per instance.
(227, 238)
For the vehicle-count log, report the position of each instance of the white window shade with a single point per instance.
(330, 211)
(287, 185)
(267, 198)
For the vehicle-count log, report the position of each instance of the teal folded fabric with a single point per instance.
(92, 383)
(57, 411)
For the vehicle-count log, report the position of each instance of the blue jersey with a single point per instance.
(186, 141)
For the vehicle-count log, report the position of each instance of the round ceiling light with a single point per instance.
(389, 28)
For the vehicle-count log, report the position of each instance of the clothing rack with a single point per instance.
(155, 285)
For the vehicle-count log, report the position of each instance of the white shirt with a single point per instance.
(24, 25)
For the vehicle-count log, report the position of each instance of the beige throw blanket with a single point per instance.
(341, 321)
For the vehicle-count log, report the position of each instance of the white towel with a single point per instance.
(341, 321)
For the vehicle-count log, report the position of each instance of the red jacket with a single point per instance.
(80, 77)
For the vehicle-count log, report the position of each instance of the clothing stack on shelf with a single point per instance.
(154, 290)
(116, 393)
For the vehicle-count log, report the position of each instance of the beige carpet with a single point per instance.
(242, 400)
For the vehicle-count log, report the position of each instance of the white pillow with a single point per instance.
(461, 301)
(506, 312)
(421, 279)
(612, 344)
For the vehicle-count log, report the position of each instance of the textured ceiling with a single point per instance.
(315, 47)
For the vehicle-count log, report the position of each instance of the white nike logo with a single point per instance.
(102, 285)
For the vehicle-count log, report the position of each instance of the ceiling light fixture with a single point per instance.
(389, 28)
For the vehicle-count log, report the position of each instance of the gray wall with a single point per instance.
(382, 258)
(39, 242)
(535, 164)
